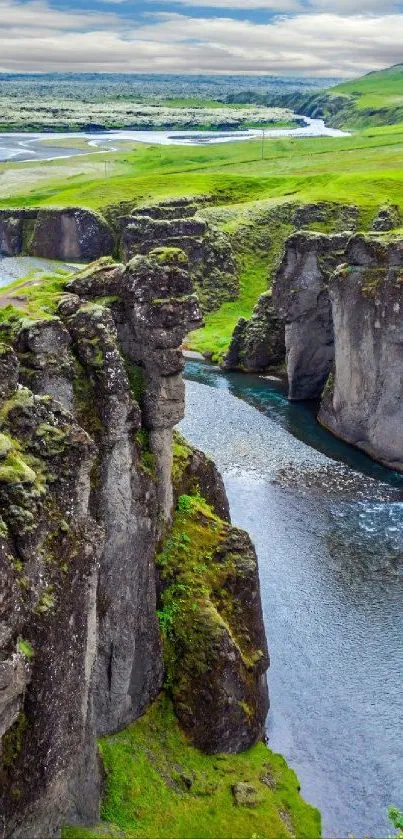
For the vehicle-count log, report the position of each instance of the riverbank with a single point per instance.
(330, 562)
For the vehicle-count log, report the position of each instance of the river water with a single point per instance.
(327, 523)
(38, 146)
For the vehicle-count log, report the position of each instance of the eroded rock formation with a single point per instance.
(175, 224)
(258, 344)
(363, 399)
(77, 235)
(300, 295)
(88, 400)
(69, 234)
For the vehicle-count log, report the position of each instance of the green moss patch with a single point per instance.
(182, 454)
(158, 785)
(189, 576)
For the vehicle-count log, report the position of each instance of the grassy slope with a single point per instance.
(150, 766)
(381, 89)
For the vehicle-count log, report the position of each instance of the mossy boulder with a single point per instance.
(214, 639)
(258, 344)
(194, 473)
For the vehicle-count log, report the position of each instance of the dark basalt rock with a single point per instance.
(10, 236)
(300, 295)
(216, 651)
(336, 217)
(49, 547)
(362, 402)
(211, 260)
(67, 234)
(387, 218)
(258, 344)
(74, 234)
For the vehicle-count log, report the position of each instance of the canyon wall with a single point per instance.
(301, 299)
(363, 400)
(78, 236)
(298, 270)
(89, 396)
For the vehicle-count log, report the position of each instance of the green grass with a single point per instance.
(360, 169)
(158, 785)
(380, 89)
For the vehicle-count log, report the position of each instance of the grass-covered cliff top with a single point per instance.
(158, 785)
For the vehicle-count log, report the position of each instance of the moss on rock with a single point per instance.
(159, 785)
(210, 617)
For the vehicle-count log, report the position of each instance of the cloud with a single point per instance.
(38, 15)
(35, 37)
(344, 7)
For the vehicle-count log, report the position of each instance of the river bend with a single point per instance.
(329, 542)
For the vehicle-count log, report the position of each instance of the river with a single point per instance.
(327, 523)
(38, 146)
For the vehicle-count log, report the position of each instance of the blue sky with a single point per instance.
(290, 37)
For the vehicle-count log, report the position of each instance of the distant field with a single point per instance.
(76, 115)
(74, 102)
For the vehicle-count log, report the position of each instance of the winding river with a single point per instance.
(328, 524)
(38, 146)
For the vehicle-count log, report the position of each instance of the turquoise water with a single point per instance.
(331, 572)
(298, 418)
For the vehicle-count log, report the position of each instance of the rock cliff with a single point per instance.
(78, 235)
(301, 298)
(362, 403)
(175, 224)
(90, 391)
(74, 234)
(258, 344)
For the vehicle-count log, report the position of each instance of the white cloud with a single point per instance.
(34, 37)
(344, 7)
(38, 15)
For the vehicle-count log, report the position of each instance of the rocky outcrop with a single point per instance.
(176, 225)
(387, 218)
(88, 400)
(214, 639)
(49, 549)
(335, 218)
(193, 473)
(258, 344)
(300, 295)
(362, 403)
(74, 234)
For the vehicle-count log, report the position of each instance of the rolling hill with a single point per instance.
(372, 100)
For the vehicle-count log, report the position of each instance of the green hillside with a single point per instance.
(378, 90)
(372, 100)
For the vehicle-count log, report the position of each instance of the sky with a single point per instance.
(344, 38)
